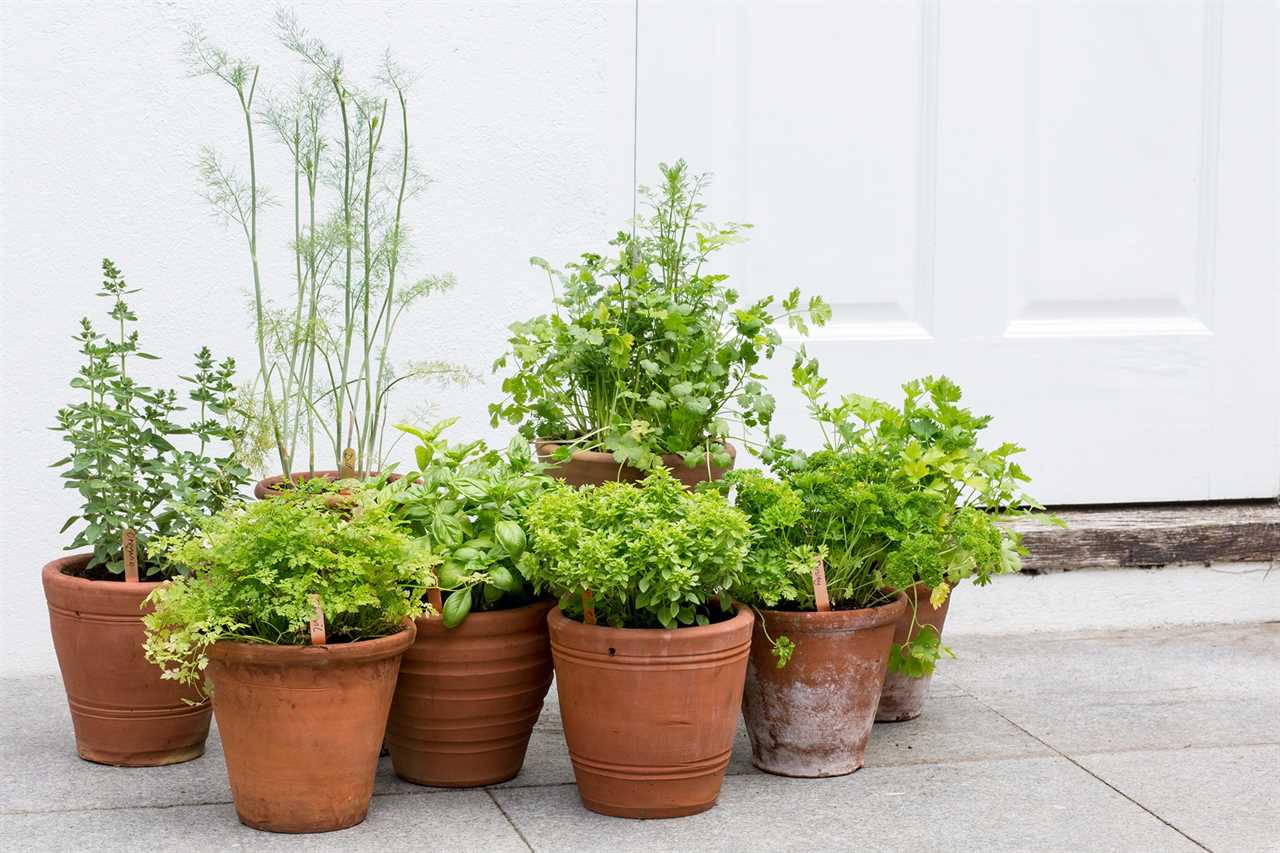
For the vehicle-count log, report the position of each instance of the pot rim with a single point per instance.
(270, 654)
(557, 619)
(601, 457)
(53, 576)
(267, 485)
(505, 614)
(838, 620)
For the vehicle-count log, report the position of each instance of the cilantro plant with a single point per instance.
(250, 572)
(465, 502)
(647, 352)
(134, 465)
(651, 555)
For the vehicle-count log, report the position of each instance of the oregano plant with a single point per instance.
(134, 465)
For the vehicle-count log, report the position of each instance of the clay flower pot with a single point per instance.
(123, 712)
(813, 717)
(467, 697)
(591, 467)
(301, 727)
(649, 714)
(903, 696)
(270, 486)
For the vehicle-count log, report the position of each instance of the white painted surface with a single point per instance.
(1070, 208)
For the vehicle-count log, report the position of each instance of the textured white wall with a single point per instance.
(521, 114)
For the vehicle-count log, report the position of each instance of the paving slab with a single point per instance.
(1219, 796)
(1043, 804)
(462, 821)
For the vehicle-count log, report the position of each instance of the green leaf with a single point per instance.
(456, 608)
(510, 535)
(502, 578)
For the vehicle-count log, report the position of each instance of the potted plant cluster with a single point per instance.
(471, 686)
(647, 360)
(650, 651)
(141, 475)
(296, 610)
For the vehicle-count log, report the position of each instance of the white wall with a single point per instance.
(520, 114)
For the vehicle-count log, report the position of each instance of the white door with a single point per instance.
(1069, 208)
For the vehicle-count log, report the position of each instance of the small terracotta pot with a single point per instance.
(649, 715)
(467, 697)
(123, 712)
(270, 486)
(813, 717)
(903, 696)
(591, 467)
(302, 726)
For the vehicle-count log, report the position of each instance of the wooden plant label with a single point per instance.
(318, 636)
(820, 586)
(435, 599)
(347, 469)
(588, 609)
(129, 545)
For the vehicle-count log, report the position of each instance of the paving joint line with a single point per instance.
(511, 822)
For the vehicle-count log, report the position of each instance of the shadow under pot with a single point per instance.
(123, 712)
(903, 697)
(813, 717)
(302, 726)
(592, 467)
(650, 714)
(270, 487)
(467, 698)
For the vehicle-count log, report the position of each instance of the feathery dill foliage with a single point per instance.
(652, 554)
(252, 568)
(647, 352)
(324, 341)
(131, 461)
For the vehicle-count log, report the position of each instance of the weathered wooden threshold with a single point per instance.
(1150, 535)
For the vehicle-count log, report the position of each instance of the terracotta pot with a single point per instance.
(903, 697)
(123, 712)
(813, 717)
(270, 486)
(649, 715)
(301, 728)
(591, 468)
(467, 697)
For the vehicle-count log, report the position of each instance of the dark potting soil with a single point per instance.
(102, 573)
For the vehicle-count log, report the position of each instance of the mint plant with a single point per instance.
(651, 555)
(465, 502)
(647, 352)
(131, 461)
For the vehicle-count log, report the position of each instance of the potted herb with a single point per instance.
(649, 650)
(648, 360)
(140, 475)
(296, 611)
(471, 686)
(326, 367)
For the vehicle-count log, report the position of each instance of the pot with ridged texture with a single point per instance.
(467, 697)
(302, 726)
(123, 712)
(903, 697)
(650, 714)
(592, 467)
(813, 717)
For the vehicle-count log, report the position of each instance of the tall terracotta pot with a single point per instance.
(123, 712)
(301, 728)
(903, 697)
(591, 467)
(467, 697)
(813, 717)
(649, 715)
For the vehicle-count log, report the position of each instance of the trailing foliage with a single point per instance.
(465, 501)
(252, 568)
(647, 353)
(134, 465)
(652, 554)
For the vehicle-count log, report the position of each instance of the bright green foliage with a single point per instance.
(646, 352)
(252, 568)
(132, 463)
(652, 555)
(465, 501)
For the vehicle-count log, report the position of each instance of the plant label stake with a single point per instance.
(347, 469)
(588, 609)
(129, 545)
(318, 637)
(820, 586)
(435, 599)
